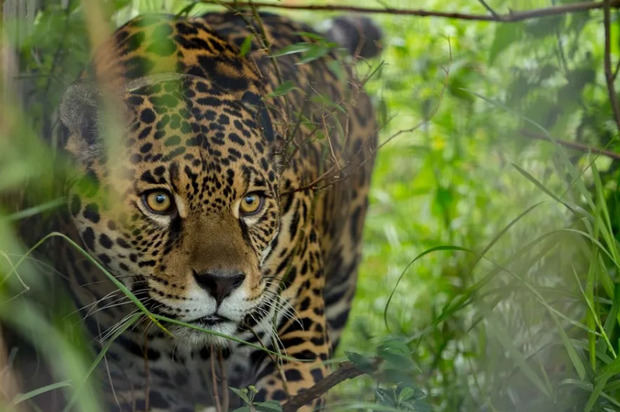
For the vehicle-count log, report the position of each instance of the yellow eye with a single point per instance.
(251, 204)
(158, 201)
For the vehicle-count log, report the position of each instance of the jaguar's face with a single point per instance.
(186, 209)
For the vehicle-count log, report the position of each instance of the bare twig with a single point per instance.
(512, 16)
(572, 145)
(347, 370)
(225, 391)
(609, 76)
(489, 9)
(216, 389)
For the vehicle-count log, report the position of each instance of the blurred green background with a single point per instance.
(495, 246)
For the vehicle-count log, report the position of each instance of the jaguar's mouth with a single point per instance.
(210, 320)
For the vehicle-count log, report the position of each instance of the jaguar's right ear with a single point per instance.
(79, 112)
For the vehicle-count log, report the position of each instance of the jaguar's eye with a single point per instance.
(251, 204)
(158, 201)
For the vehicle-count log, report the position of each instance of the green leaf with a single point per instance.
(505, 36)
(385, 397)
(242, 393)
(313, 36)
(269, 406)
(283, 89)
(406, 394)
(292, 49)
(606, 373)
(361, 362)
(315, 52)
(245, 46)
(543, 27)
(397, 355)
(39, 391)
(327, 102)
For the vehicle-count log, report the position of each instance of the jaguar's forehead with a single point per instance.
(189, 129)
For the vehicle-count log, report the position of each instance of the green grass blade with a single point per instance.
(231, 338)
(606, 373)
(22, 397)
(588, 298)
(32, 211)
(100, 356)
(543, 188)
(99, 266)
(402, 274)
(505, 339)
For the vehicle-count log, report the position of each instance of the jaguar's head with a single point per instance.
(183, 206)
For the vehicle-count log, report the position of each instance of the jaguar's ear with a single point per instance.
(79, 111)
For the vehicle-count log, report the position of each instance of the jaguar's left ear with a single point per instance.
(79, 111)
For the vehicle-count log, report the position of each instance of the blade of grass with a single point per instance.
(589, 303)
(505, 339)
(612, 317)
(543, 188)
(606, 373)
(99, 266)
(402, 274)
(221, 335)
(153, 317)
(22, 397)
(560, 150)
(554, 314)
(129, 322)
(464, 297)
(26, 288)
(594, 242)
(587, 386)
(32, 211)
(52, 343)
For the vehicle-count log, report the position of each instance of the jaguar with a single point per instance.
(222, 169)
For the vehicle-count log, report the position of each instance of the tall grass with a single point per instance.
(490, 280)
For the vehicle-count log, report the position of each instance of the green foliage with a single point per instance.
(490, 274)
(247, 396)
(309, 51)
(394, 371)
(505, 325)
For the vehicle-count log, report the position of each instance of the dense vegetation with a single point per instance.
(491, 271)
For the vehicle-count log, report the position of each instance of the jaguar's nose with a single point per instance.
(219, 283)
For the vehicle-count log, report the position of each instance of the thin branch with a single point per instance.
(617, 69)
(512, 16)
(347, 370)
(609, 76)
(214, 385)
(571, 145)
(489, 9)
(224, 380)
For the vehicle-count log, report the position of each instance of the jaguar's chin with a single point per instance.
(208, 330)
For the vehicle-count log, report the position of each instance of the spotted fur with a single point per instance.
(202, 122)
